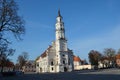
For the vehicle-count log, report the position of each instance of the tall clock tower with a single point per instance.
(61, 42)
(62, 54)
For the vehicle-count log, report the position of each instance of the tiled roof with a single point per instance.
(37, 58)
(76, 58)
(118, 56)
(44, 54)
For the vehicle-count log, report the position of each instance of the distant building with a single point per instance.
(77, 61)
(57, 57)
(80, 64)
(9, 66)
(29, 66)
(105, 62)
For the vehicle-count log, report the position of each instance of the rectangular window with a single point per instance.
(63, 62)
(37, 64)
(51, 63)
(52, 68)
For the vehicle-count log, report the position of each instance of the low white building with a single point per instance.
(57, 57)
(29, 66)
(105, 63)
(80, 64)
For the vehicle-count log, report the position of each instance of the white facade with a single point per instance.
(79, 64)
(82, 67)
(104, 64)
(57, 58)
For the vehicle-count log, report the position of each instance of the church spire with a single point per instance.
(60, 31)
(59, 15)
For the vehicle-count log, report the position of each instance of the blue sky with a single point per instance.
(89, 24)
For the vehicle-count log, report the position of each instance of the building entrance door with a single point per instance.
(40, 69)
(65, 69)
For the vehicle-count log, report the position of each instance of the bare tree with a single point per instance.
(10, 25)
(5, 51)
(22, 59)
(110, 54)
(10, 22)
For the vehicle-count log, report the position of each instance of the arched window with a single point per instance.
(51, 63)
(63, 62)
(52, 68)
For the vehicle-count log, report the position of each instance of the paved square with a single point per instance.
(106, 74)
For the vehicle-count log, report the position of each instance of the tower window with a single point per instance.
(52, 63)
(52, 68)
(63, 55)
(63, 62)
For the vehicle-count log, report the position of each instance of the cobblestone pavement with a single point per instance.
(105, 74)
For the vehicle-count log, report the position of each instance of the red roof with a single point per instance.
(44, 53)
(118, 56)
(76, 58)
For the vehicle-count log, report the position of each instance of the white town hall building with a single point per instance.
(57, 57)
